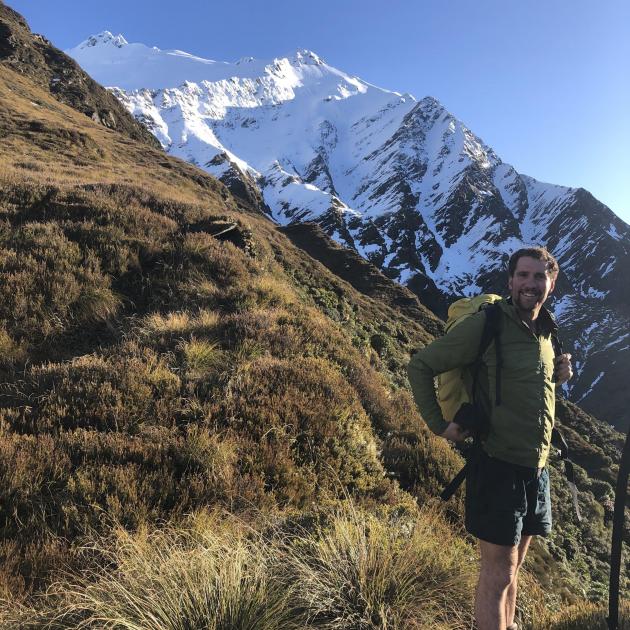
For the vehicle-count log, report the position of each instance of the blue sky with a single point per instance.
(546, 83)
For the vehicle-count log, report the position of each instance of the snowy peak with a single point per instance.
(116, 63)
(307, 58)
(103, 39)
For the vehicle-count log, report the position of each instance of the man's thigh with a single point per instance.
(505, 502)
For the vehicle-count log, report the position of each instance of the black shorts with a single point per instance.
(505, 501)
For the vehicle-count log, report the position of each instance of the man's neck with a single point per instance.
(528, 317)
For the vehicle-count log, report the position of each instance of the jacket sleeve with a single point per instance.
(457, 349)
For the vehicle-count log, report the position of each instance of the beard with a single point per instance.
(527, 303)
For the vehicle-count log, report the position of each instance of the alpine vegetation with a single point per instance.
(205, 418)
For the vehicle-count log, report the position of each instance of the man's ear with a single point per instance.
(553, 285)
(509, 282)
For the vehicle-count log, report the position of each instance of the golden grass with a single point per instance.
(170, 580)
(42, 137)
(582, 616)
(352, 570)
(360, 571)
(171, 323)
(201, 357)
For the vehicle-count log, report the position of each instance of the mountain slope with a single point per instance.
(401, 181)
(167, 349)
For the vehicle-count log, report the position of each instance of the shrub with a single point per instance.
(10, 351)
(310, 429)
(115, 393)
(47, 284)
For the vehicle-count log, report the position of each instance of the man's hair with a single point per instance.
(539, 253)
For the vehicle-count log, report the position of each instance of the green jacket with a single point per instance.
(520, 427)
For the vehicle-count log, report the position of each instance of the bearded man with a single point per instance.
(507, 483)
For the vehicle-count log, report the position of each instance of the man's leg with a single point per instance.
(497, 572)
(510, 603)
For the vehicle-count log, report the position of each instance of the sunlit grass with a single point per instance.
(201, 357)
(582, 616)
(364, 572)
(351, 571)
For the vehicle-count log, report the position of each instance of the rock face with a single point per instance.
(401, 181)
(34, 56)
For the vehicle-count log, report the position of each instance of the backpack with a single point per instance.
(457, 389)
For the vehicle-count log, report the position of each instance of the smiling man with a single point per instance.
(507, 483)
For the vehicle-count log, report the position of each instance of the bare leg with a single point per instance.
(510, 602)
(497, 572)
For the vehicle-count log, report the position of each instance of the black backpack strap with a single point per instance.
(556, 343)
(471, 454)
(491, 332)
(451, 488)
(491, 329)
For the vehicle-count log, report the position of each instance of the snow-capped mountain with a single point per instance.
(400, 180)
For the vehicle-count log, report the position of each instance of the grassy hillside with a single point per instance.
(167, 351)
(54, 72)
(164, 349)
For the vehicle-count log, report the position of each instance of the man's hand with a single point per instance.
(563, 370)
(455, 433)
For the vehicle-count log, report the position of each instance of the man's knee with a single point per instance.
(499, 566)
(499, 577)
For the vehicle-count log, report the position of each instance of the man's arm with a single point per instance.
(457, 349)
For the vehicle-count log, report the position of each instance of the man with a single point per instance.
(507, 484)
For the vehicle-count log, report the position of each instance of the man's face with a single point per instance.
(530, 285)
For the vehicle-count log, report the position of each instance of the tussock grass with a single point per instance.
(582, 616)
(162, 329)
(201, 357)
(272, 292)
(171, 580)
(351, 570)
(171, 323)
(364, 572)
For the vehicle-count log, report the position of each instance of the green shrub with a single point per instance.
(310, 429)
(116, 393)
(48, 285)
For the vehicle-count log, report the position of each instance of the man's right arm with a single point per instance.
(457, 349)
